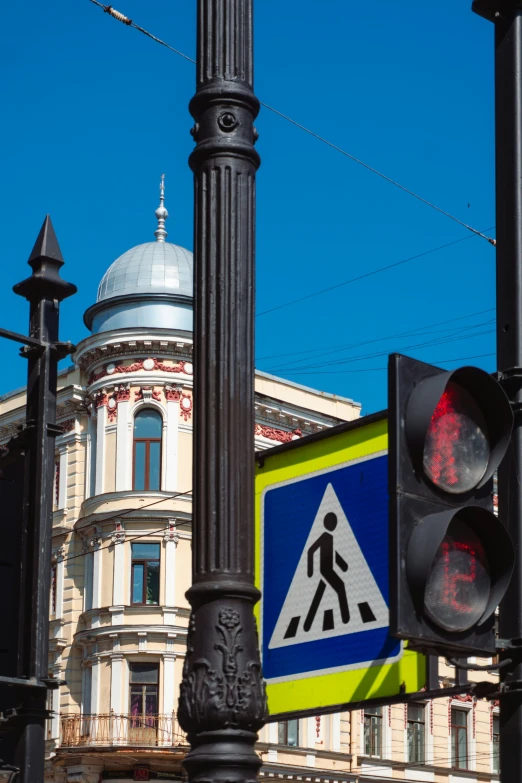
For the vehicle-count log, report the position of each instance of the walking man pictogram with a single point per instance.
(325, 545)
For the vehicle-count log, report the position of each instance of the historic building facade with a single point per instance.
(122, 559)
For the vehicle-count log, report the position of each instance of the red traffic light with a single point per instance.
(459, 563)
(458, 426)
(451, 558)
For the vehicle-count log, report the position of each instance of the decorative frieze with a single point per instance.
(147, 393)
(148, 365)
(281, 436)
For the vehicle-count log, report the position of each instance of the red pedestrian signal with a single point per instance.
(451, 558)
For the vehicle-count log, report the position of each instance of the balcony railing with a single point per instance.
(136, 730)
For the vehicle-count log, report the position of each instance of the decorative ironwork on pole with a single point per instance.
(222, 698)
(44, 289)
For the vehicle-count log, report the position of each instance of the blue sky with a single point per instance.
(93, 113)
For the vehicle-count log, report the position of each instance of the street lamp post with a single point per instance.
(222, 695)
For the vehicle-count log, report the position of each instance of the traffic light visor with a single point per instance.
(458, 426)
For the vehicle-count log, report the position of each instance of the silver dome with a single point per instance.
(151, 268)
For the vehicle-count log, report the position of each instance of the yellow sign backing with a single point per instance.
(321, 562)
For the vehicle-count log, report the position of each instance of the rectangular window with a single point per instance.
(145, 573)
(416, 733)
(495, 739)
(373, 731)
(288, 733)
(459, 738)
(143, 701)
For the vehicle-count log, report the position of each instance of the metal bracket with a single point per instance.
(63, 349)
(472, 667)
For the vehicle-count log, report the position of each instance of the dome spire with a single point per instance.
(161, 213)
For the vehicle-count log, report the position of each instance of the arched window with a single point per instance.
(147, 450)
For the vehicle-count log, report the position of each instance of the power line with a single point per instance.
(376, 339)
(131, 511)
(428, 343)
(381, 369)
(400, 335)
(365, 275)
(108, 9)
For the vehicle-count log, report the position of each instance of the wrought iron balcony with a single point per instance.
(111, 729)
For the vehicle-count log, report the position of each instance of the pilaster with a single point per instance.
(100, 449)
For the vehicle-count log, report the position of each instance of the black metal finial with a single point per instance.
(45, 261)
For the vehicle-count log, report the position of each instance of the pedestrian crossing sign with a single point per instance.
(322, 568)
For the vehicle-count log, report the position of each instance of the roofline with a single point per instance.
(23, 389)
(339, 429)
(327, 395)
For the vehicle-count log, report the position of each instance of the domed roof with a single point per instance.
(151, 268)
(149, 286)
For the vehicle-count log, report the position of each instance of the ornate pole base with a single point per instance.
(222, 698)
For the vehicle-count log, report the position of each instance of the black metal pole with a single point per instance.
(507, 17)
(44, 290)
(222, 696)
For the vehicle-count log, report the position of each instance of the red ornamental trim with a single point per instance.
(185, 409)
(67, 425)
(473, 718)
(56, 482)
(156, 395)
(172, 395)
(466, 697)
(449, 716)
(122, 394)
(136, 367)
(100, 400)
(282, 436)
(405, 716)
(431, 716)
(318, 726)
(389, 716)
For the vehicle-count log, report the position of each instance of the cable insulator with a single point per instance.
(117, 14)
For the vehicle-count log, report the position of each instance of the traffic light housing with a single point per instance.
(451, 558)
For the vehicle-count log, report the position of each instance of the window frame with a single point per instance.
(143, 562)
(495, 745)
(147, 442)
(422, 730)
(454, 738)
(285, 725)
(143, 716)
(375, 719)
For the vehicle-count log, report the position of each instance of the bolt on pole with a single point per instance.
(222, 695)
(507, 18)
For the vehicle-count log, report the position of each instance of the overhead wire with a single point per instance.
(133, 511)
(108, 9)
(434, 341)
(364, 275)
(364, 357)
(338, 348)
(362, 370)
